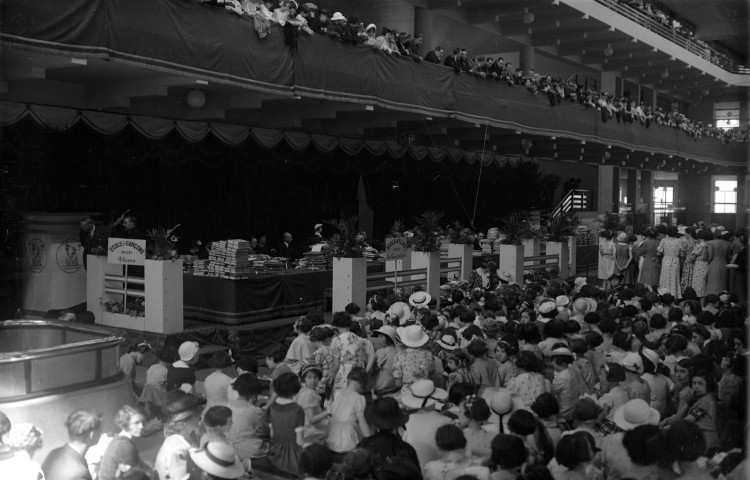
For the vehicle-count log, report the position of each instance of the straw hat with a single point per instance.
(420, 299)
(188, 351)
(504, 276)
(562, 352)
(634, 413)
(547, 307)
(562, 301)
(412, 336)
(384, 413)
(652, 356)
(423, 393)
(218, 459)
(337, 16)
(579, 282)
(400, 310)
(581, 306)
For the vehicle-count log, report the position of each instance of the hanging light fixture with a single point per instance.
(665, 73)
(528, 17)
(608, 50)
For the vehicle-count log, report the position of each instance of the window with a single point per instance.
(725, 194)
(727, 115)
(663, 204)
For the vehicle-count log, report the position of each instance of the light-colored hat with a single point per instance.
(423, 393)
(218, 459)
(651, 355)
(579, 282)
(371, 27)
(682, 229)
(22, 436)
(634, 413)
(504, 276)
(388, 330)
(581, 306)
(412, 336)
(317, 226)
(400, 310)
(547, 307)
(562, 301)
(337, 16)
(562, 352)
(622, 237)
(633, 362)
(448, 342)
(663, 291)
(188, 351)
(501, 402)
(420, 299)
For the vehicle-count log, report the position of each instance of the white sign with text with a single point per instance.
(126, 251)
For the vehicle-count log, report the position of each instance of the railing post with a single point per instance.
(466, 254)
(349, 282)
(563, 258)
(511, 261)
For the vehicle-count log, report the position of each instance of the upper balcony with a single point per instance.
(139, 59)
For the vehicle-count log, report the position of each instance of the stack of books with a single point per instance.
(320, 260)
(229, 259)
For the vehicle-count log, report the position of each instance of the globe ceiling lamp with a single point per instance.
(528, 17)
(608, 51)
(196, 98)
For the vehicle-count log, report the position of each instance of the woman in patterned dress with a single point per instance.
(688, 262)
(415, 362)
(348, 350)
(651, 268)
(670, 250)
(701, 255)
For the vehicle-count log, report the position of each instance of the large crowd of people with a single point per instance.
(308, 19)
(563, 380)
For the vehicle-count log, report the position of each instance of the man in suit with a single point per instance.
(435, 56)
(454, 61)
(286, 249)
(92, 240)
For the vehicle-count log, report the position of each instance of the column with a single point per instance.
(527, 58)
(605, 191)
(633, 193)
(647, 194)
(743, 208)
(609, 82)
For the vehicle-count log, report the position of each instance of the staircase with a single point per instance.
(574, 200)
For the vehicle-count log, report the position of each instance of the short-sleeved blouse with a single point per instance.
(412, 364)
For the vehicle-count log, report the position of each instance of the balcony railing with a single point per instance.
(693, 46)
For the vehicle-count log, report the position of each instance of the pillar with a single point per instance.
(743, 208)
(365, 214)
(633, 190)
(527, 58)
(606, 192)
(609, 82)
(647, 194)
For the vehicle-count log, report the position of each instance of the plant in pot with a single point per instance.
(163, 243)
(459, 234)
(427, 232)
(398, 229)
(347, 242)
(516, 229)
(609, 221)
(563, 227)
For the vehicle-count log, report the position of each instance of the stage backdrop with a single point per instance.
(219, 191)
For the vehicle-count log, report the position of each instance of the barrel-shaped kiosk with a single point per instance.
(49, 369)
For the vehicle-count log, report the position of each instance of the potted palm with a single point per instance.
(460, 245)
(425, 240)
(349, 265)
(561, 230)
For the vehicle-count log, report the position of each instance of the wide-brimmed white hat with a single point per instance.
(448, 342)
(400, 310)
(562, 352)
(581, 306)
(579, 282)
(412, 336)
(547, 307)
(337, 16)
(652, 356)
(388, 330)
(634, 413)
(218, 459)
(419, 299)
(188, 351)
(423, 393)
(371, 27)
(504, 276)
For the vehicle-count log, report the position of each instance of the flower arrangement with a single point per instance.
(563, 227)
(135, 308)
(457, 233)
(517, 228)
(609, 221)
(348, 242)
(398, 229)
(541, 275)
(427, 233)
(163, 244)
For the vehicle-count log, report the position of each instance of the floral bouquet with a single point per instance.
(163, 243)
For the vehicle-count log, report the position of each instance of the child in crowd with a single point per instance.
(315, 462)
(275, 363)
(508, 455)
(301, 347)
(217, 421)
(505, 356)
(482, 368)
(453, 462)
(287, 422)
(537, 441)
(316, 419)
(348, 424)
(154, 395)
(473, 414)
(457, 370)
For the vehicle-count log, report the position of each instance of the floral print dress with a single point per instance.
(670, 265)
(350, 350)
(686, 279)
(700, 269)
(412, 364)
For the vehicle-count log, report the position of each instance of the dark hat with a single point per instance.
(418, 35)
(181, 405)
(384, 413)
(324, 11)
(404, 36)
